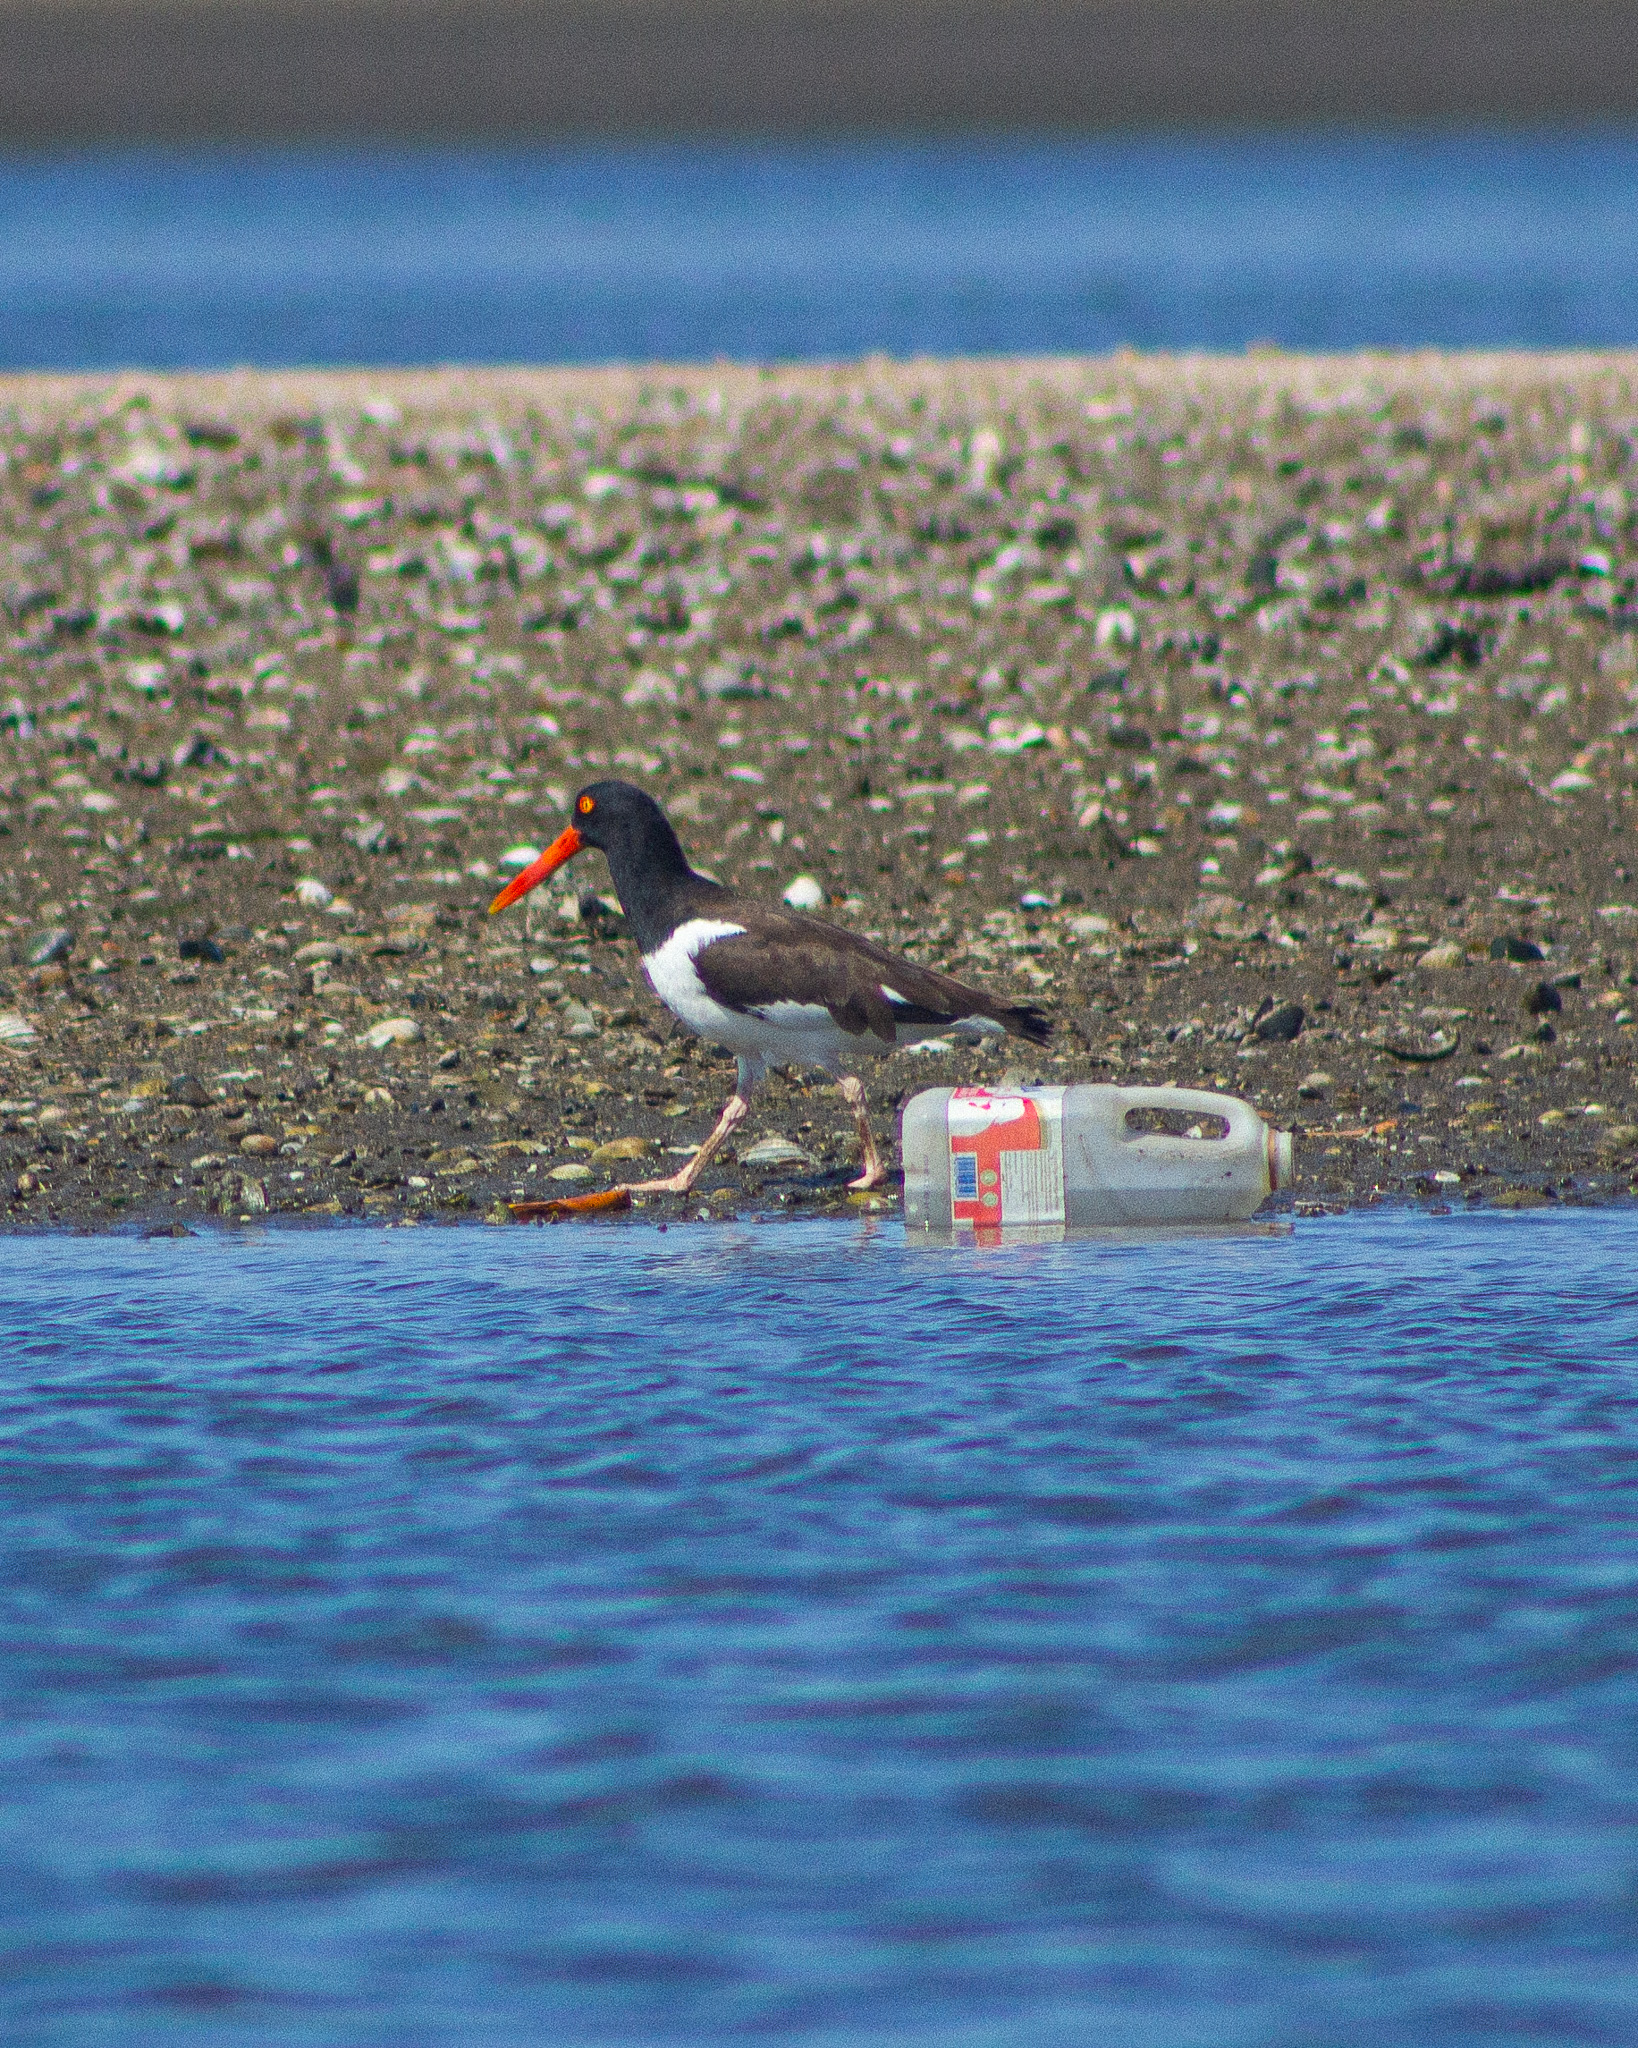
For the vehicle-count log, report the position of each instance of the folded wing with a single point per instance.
(788, 959)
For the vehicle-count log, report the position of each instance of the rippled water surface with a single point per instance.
(786, 1632)
(695, 250)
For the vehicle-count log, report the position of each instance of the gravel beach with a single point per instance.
(1271, 721)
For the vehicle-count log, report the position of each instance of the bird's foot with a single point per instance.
(677, 1184)
(874, 1176)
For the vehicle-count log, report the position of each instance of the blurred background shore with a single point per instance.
(76, 72)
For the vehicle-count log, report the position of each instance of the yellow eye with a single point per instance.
(586, 807)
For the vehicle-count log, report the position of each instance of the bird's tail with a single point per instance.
(1024, 1020)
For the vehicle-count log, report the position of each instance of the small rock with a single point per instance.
(318, 951)
(1511, 948)
(185, 1089)
(776, 1152)
(1447, 1179)
(259, 1144)
(314, 894)
(621, 1148)
(16, 1032)
(1314, 1085)
(448, 1061)
(51, 948)
(453, 1161)
(649, 686)
(519, 857)
(1543, 1000)
(200, 946)
(1520, 1198)
(805, 893)
(1445, 955)
(390, 1031)
(578, 1021)
(1282, 1024)
(575, 1169)
(725, 680)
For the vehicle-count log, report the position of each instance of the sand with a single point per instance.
(1201, 701)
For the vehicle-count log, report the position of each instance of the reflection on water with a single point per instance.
(691, 251)
(769, 1632)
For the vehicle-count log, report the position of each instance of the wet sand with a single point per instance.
(1202, 701)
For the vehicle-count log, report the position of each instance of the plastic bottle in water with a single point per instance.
(989, 1158)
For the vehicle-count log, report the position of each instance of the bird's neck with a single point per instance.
(656, 886)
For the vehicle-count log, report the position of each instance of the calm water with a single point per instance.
(785, 1633)
(691, 251)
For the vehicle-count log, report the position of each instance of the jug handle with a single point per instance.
(1240, 1117)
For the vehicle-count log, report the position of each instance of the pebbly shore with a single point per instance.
(1272, 722)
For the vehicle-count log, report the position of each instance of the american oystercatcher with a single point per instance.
(772, 986)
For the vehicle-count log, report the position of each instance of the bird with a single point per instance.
(772, 986)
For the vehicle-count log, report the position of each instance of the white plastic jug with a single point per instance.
(985, 1158)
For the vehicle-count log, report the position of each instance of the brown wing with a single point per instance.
(784, 957)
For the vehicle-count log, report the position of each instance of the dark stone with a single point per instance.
(1544, 1033)
(1542, 999)
(1453, 643)
(594, 911)
(1280, 1025)
(1512, 578)
(51, 947)
(188, 1091)
(1123, 735)
(1510, 948)
(200, 946)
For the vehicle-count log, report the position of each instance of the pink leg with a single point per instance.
(735, 1111)
(853, 1095)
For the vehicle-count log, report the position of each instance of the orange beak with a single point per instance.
(563, 848)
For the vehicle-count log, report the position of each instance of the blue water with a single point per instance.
(691, 251)
(787, 1633)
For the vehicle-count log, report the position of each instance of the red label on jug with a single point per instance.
(1006, 1156)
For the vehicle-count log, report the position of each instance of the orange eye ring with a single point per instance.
(585, 806)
